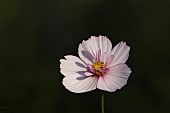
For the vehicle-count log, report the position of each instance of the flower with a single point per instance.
(99, 66)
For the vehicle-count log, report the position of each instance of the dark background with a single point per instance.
(35, 34)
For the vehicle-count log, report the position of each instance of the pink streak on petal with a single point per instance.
(98, 55)
(88, 74)
(103, 58)
(109, 60)
(90, 69)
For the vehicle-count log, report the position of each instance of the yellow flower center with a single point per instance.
(96, 66)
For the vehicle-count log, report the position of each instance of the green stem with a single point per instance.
(102, 103)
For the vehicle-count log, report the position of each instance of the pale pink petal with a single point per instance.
(117, 77)
(102, 85)
(71, 65)
(90, 49)
(121, 53)
(93, 44)
(105, 45)
(79, 83)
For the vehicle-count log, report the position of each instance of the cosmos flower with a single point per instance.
(99, 66)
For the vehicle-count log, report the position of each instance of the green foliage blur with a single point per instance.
(35, 34)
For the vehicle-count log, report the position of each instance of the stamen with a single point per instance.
(97, 67)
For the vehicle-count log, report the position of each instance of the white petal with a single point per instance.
(121, 53)
(79, 83)
(117, 77)
(92, 47)
(72, 65)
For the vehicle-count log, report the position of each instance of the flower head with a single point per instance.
(99, 66)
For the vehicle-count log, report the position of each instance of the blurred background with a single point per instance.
(35, 34)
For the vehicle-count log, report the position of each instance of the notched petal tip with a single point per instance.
(71, 65)
(61, 60)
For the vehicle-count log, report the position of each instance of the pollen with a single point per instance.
(96, 67)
